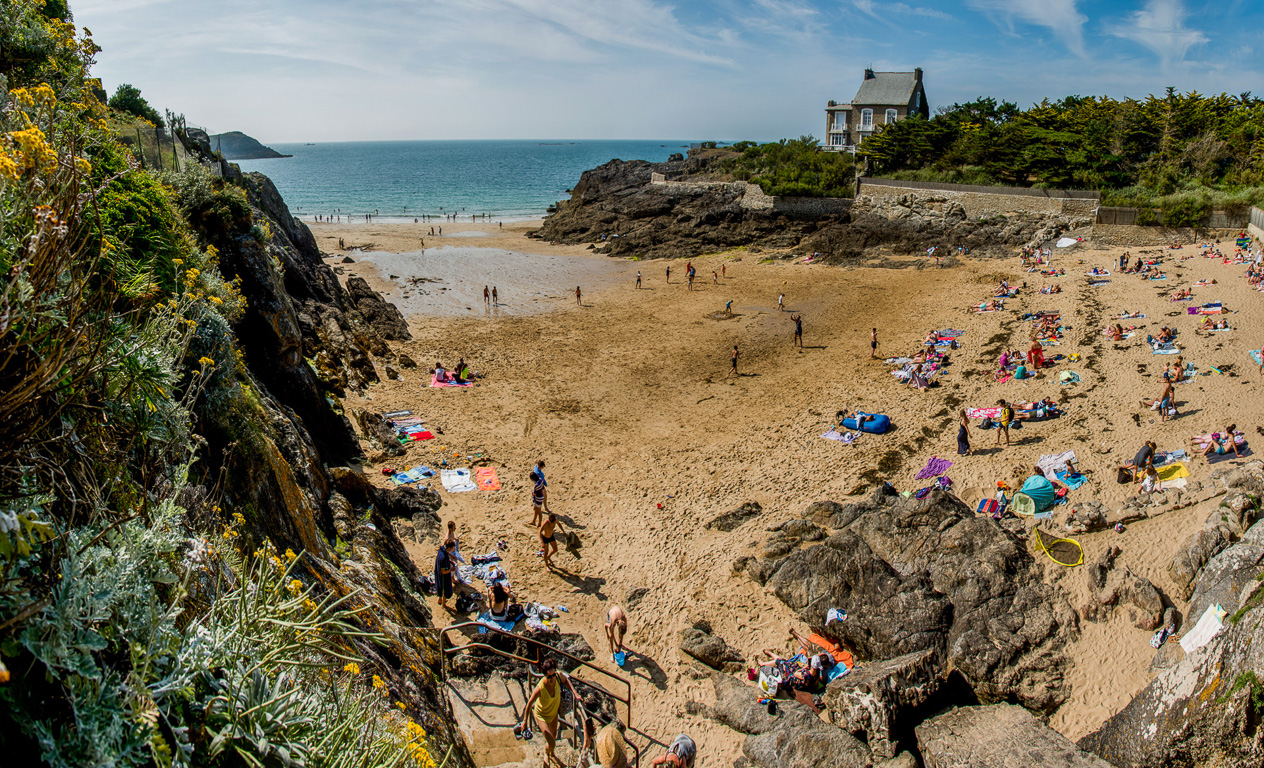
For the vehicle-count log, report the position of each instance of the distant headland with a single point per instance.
(236, 145)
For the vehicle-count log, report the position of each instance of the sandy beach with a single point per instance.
(628, 399)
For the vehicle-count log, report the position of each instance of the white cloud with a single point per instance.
(884, 11)
(1160, 26)
(1062, 17)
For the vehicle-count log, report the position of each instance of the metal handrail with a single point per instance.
(539, 646)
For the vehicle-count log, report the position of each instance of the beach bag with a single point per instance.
(769, 680)
(1123, 477)
(987, 423)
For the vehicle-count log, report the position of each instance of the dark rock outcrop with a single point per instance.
(874, 697)
(793, 738)
(734, 519)
(665, 221)
(928, 575)
(381, 315)
(997, 736)
(1111, 587)
(699, 642)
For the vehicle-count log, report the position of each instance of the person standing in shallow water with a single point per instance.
(487, 295)
(579, 296)
(495, 296)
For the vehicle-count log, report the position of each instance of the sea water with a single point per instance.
(402, 180)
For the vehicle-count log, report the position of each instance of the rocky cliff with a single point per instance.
(290, 460)
(676, 220)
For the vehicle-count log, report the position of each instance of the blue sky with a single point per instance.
(319, 70)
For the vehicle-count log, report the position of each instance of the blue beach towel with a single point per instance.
(1072, 481)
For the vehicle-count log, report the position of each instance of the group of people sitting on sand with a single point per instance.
(458, 375)
(1185, 294)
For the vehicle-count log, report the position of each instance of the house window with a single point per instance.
(891, 116)
(840, 121)
(836, 140)
(866, 118)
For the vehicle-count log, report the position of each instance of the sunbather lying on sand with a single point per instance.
(1213, 325)
(1183, 295)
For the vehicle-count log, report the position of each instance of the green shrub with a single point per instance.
(127, 99)
(1184, 212)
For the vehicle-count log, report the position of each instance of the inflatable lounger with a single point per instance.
(876, 423)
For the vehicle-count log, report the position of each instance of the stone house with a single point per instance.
(883, 97)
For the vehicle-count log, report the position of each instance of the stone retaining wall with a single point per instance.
(982, 205)
(1256, 227)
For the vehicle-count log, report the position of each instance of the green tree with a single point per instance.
(127, 99)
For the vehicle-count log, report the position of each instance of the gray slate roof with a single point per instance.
(886, 88)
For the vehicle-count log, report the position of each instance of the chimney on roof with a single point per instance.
(869, 75)
(917, 74)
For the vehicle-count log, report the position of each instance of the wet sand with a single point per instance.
(647, 437)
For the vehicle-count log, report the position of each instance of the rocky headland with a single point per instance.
(678, 209)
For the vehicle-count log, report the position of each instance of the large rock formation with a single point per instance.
(998, 736)
(617, 207)
(914, 222)
(664, 221)
(1208, 707)
(927, 575)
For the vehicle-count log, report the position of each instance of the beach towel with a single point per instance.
(950, 333)
(1167, 351)
(983, 413)
(1255, 355)
(434, 382)
(1163, 458)
(456, 480)
(1207, 627)
(1175, 484)
(1067, 242)
(1051, 463)
(846, 438)
(1071, 481)
(898, 360)
(1172, 472)
(396, 414)
(415, 436)
(485, 478)
(1095, 283)
(1068, 377)
(1216, 458)
(485, 618)
(936, 466)
(1099, 273)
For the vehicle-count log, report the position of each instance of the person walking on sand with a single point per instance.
(548, 539)
(544, 703)
(724, 271)
(495, 296)
(715, 279)
(444, 567)
(1007, 416)
(579, 297)
(638, 280)
(689, 277)
(733, 370)
(669, 275)
(781, 303)
(681, 754)
(487, 295)
(539, 494)
(873, 344)
(963, 435)
(798, 331)
(616, 628)
(728, 308)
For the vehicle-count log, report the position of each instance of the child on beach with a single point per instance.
(873, 345)
(539, 494)
(638, 280)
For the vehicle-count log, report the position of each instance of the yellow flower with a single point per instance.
(23, 97)
(206, 361)
(295, 587)
(377, 683)
(238, 517)
(177, 261)
(289, 555)
(83, 165)
(310, 605)
(352, 667)
(401, 705)
(216, 300)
